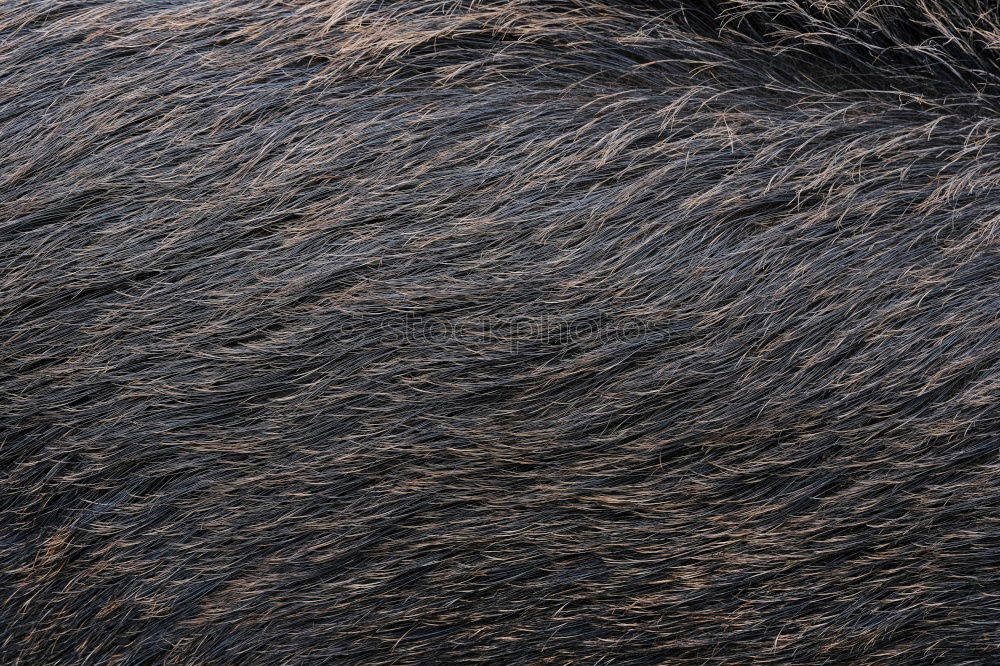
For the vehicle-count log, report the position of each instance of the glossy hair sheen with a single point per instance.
(499, 332)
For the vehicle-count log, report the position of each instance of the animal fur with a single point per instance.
(499, 332)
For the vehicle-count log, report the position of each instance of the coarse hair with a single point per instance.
(499, 332)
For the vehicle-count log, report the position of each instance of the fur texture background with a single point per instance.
(521, 332)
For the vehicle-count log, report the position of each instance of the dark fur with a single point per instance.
(569, 332)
